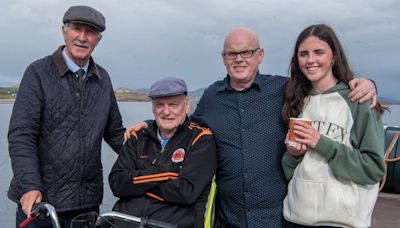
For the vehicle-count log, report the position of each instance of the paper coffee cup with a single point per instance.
(293, 122)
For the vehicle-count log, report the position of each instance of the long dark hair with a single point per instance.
(299, 87)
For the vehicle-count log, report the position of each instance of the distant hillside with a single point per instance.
(195, 93)
(126, 94)
(122, 94)
(123, 89)
(131, 96)
(8, 92)
(142, 90)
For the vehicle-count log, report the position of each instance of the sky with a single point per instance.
(146, 40)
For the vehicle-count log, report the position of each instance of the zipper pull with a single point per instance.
(155, 159)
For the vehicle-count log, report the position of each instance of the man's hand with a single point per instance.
(362, 90)
(28, 199)
(135, 127)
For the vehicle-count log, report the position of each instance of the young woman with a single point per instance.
(335, 168)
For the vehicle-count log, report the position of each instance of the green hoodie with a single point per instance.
(336, 184)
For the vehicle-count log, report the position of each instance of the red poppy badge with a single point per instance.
(178, 155)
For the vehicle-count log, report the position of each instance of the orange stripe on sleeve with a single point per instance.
(155, 175)
(133, 133)
(154, 196)
(204, 132)
(157, 179)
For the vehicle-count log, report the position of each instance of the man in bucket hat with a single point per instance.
(164, 172)
(64, 108)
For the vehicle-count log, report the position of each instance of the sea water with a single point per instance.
(131, 112)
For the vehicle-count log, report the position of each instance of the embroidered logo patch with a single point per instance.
(178, 155)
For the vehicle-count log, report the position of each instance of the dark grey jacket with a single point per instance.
(55, 134)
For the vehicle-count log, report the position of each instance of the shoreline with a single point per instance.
(7, 101)
(11, 101)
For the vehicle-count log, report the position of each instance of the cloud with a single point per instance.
(149, 39)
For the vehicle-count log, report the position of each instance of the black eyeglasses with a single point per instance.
(244, 54)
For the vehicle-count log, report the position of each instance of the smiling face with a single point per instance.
(80, 41)
(242, 71)
(315, 59)
(169, 113)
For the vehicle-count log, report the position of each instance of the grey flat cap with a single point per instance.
(167, 87)
(85, 15)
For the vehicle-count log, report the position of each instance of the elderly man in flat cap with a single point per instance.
(64, 108)
(164, 171)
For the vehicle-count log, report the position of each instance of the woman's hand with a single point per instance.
(295, 149)
(306, 134)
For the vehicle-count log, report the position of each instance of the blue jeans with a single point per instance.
(65, 219)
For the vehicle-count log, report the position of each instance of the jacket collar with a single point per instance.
(62, 66)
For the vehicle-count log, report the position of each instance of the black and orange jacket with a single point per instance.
(169, 185)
